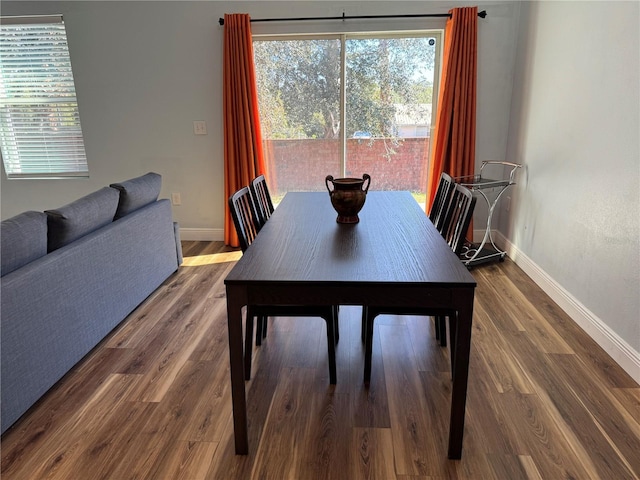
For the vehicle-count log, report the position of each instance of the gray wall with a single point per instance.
(575, 124)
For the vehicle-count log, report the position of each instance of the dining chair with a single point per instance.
(244, 214)
(457, 219)
(264, 208)
(441, 200)
(261, 199)
(438, 216)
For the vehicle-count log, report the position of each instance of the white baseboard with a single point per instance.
(621, 352)
(202, 234)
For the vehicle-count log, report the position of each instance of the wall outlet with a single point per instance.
(175, 199)
(199, 127)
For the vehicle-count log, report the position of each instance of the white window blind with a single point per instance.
(40, 133)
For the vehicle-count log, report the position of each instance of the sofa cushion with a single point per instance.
(81, 217)
(137, 192)
(24, 239)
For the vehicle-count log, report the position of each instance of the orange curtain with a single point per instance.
(455, 133)
(243, 155)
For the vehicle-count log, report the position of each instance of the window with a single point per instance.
(382, 85)
(40, 133)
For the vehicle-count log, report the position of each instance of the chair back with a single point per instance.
(438, 212)
(458, 217)
(244, 217)
(261, 199)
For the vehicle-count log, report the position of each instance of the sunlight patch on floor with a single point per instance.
(223, 257)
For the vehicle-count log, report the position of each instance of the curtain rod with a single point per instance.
(481, 14)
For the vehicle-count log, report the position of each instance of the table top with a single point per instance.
(394, 242)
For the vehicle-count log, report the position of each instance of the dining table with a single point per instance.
(393, 256)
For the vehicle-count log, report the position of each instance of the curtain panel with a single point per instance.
(455, 130)
(243, 155)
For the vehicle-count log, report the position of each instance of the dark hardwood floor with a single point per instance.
(153, 400)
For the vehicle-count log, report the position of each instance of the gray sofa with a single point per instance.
(70, 275)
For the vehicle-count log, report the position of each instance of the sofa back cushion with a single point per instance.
(81, 217)
(24, 239)
(137, 192)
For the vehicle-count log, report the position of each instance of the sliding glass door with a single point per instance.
(383, 86)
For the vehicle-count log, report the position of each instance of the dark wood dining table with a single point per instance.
(393, 257)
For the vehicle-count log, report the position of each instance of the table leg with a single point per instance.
(238, 394)
(461, 345)
(453, 329)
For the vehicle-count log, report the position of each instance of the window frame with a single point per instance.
(57, 150)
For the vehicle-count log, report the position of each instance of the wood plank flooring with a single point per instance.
(152, 401)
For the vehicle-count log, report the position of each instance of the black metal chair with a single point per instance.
(457, 220)
(244, 215)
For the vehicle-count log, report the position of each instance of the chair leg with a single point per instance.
(248, 344)
(368, 349)
(441, 330)
(335, 310)
(363, 326)
(261, 329)
(331, 348)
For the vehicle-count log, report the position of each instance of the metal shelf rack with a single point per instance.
(486, 251)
